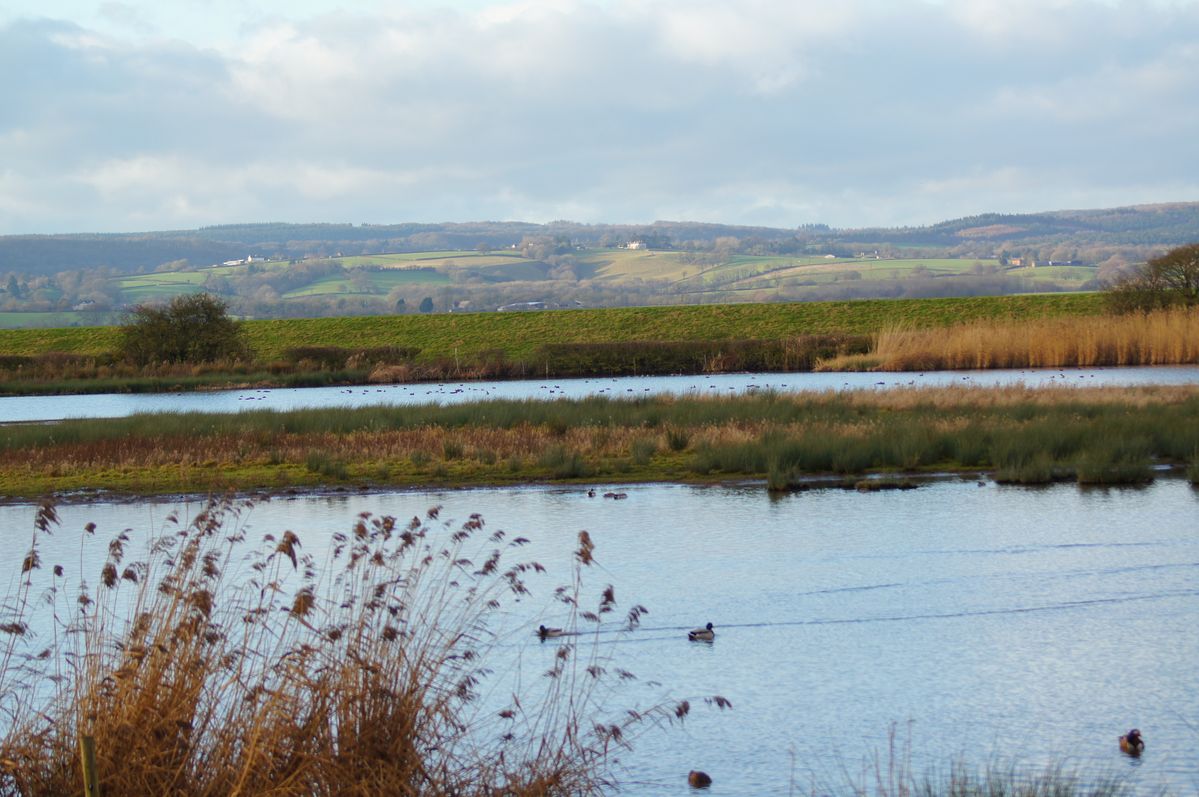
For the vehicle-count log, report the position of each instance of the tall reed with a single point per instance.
(217, 666)
(1164, 337)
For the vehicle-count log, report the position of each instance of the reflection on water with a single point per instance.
(115, 405)
(984, 623)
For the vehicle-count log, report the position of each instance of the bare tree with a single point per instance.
(1166, 281)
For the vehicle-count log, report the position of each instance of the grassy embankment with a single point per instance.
(709, 338)
(1089, 435)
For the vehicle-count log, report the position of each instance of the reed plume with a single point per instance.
(218, 666)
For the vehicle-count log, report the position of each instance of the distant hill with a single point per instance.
(974, 236)
(1164, 224)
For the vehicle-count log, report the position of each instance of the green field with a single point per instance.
(620, 265)
(1057, 273)
(67, 318)
(156, 287)
(402, 259)
(380, 282)
(518, 334)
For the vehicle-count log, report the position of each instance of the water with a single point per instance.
(115, 405)
(984, 623)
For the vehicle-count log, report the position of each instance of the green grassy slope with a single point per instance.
(464, 334)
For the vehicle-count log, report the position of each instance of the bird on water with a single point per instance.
(1132, 743)
(705, 634)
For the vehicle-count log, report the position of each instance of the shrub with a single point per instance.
(190, 329)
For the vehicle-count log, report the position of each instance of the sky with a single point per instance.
(120, 116)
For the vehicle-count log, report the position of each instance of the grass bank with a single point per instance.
(1090, 435)
(520, 334)
(639, 340)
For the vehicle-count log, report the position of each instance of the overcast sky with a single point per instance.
(181, 113)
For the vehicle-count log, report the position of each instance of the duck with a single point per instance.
(698, 780)
(705, 634)
(546, 633)
(1132, 743)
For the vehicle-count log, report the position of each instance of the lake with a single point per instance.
(115, 405)
(983, 623)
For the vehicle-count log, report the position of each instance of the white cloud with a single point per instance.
(856, 112)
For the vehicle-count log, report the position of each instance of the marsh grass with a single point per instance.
(998, 781)
(563, 462)
(321, 463)
(677, 439)
(643, 450)
(1119, 461)
(891, 774)
(220, 666)
(1036, 468)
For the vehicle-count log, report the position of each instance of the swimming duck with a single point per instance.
(546, 633)
(698, 780)
(1132, 743)
(705, 634)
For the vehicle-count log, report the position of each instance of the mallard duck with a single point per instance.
(705, 634)
(546, 633)
(1132, 743)
(698, 780)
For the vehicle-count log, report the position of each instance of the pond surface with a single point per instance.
(115, 405)
(985, 624)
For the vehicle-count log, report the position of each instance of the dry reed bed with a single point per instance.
(222, 666)
(1164, 337)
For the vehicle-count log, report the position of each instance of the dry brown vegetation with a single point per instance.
(202, 670)
(1163, 337)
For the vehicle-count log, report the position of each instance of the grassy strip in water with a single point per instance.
(1092, 435)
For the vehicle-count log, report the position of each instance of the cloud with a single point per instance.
(853, 113)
